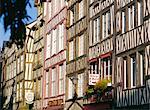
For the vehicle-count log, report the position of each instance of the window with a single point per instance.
(21, 90)
(39, 89)
(70, 89)
(61, 79)
(61, 3)
(49, 10)
(71, 50)
(106, 68)
(48, 46)
(80, 84)
(22, 62)
(47, 83)
(40, 54)
(15, 68)
(133, 71)
(81, 9)
(54, 88)
(71, 13)
(140, 12)
(45, 8)
(106, 23)
(18, 66)
(142, 69)
(94, 68)
(81, 45)
(17, 95)
(131, 17)
(96, 30)
(54, 42)
(61, 37)
(123, 21)
(125, 70)
(54, 6)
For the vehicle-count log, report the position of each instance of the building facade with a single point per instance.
(77, 42)
(100, 47)
(132, 54)
(10, 72)
(17, 74)
(54, 55)
(38, 50)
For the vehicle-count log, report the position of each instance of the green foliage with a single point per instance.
(14, 15)
(97, 90)
(102, 84)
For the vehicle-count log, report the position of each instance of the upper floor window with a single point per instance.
(45, 8)
(131, 16)
(47, 84)
(93, 68)
(133, 76)
(22, 62)
(53, 83)
(106, 68)
(81, 45)
(123, 16)
(49, 10)
(54, 38)
(133, 70)
(142, 68)
(61, 37)
(55, 4)
(106, 23)
(81, 9)
(71, 50)
(61, 79)
(96, 30)
(48, 45)
(80, 84)
(70, 89)
(125, 70)
(71, 14)
(140, 12)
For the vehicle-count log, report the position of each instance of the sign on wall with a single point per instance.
(93, 78)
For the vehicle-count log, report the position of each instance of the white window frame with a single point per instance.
(47, 84)
(96, 30)
(81, 9)
(142, 70)
(106, 66)
(70, 89)
(131, 16)
(71, 50)
(80, 84)
(139, 12)
(81, 45)
(61, 37)
(132, 70)
(61, 79)
(71, 17)
(54, 40)
(125, 71)
(53, 83)
(123, 14)
(106, 23)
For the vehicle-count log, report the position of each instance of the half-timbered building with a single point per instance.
(132, 54)
(100, 48)
(9, 73)
(17, 74)
(54, 55)
(76, 52)
(38, 50)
